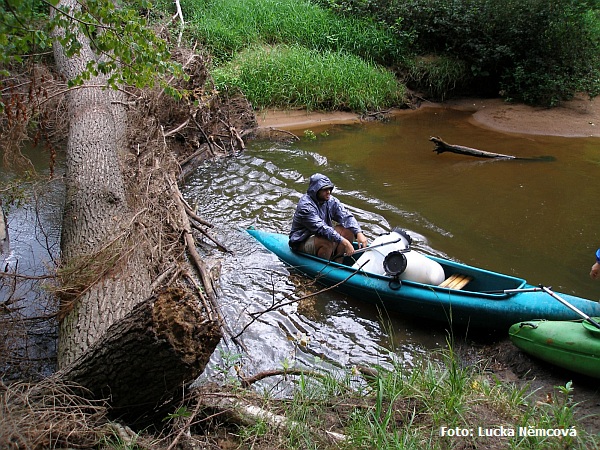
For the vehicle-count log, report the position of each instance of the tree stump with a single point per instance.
(145, 358)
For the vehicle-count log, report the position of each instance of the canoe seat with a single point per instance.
(456, 281)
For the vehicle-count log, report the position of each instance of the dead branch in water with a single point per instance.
(441, 147)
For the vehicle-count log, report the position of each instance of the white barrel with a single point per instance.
(372, 260)
(419, 268)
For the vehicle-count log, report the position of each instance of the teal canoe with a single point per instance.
(572, 345)
(489, 300)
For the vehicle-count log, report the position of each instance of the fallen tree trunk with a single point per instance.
(122, 337)
(240, 411)
(145, 359)
(441, 147)
(138, 316)
(102, 275)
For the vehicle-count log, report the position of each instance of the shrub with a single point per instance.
(435, 75)
(539, 51)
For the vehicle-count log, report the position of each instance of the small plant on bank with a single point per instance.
(310, 135)
(229, 364)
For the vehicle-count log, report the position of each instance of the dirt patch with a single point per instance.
(579, 117)
(293, 119)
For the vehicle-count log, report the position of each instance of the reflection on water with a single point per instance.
(535, 220)
(34, 222)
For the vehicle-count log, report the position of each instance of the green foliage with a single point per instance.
(226, 27)
(128, 50)
(537, 51)
(310, 135)
(181, 412)
(227, 368)
(22, 30)
(293, 76)
(435, 75)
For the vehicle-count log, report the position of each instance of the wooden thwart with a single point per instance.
(456, 281)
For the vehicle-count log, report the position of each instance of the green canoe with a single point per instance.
(572, 345)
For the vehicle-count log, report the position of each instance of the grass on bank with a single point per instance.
(293, 76)
(293, 53)
(406, 409)
(227, 27)
(387, 408)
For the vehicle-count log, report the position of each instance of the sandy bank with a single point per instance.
(577, 118)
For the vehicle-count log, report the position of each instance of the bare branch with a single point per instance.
(282, 303)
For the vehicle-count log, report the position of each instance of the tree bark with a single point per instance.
(96, 209)
(142, 361)
(116, 339)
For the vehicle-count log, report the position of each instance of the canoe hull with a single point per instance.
(566, 344)
(481, 304)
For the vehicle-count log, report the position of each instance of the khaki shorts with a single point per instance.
(308, 246)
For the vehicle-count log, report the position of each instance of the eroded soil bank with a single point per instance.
(579, 117)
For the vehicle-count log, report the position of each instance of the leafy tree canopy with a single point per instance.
(128, 50)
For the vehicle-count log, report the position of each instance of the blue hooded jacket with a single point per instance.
(314, 217)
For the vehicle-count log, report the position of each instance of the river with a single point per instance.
(533, 219)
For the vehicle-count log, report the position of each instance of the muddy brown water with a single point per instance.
(534, 219)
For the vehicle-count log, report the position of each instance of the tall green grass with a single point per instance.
(226, 27)
(293, 76)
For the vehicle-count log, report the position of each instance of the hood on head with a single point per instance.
(316, 183)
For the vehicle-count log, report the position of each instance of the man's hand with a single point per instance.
(595, 272)
(348, 247)
(362, 240)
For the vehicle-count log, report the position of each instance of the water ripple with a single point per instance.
(249, 190)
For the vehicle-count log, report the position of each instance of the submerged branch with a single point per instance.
(276, 305)
(441, 147)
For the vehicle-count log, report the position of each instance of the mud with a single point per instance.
(579, 117)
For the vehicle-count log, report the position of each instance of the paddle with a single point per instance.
(361, 250)
(552, 294)
(571, 307)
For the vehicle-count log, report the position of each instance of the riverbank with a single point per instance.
(579, 117)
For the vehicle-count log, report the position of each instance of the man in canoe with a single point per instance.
(313, 230)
